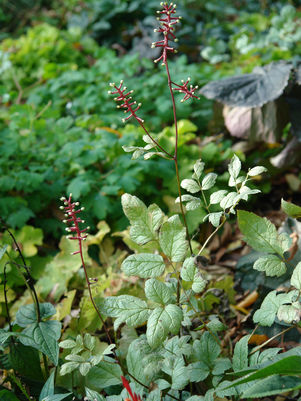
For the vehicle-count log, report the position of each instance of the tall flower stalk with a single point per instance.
(168, 20)
(73, 222)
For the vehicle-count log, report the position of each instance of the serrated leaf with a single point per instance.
(188, 269)
(189, 272)
(142, 361)
(260, 233)
(296, 277)
(290, 313)
(137, 153)
(234, 167)
(156, 215)
(193, 205)
(186, 198)
(190, 185)
(215, 218)
(179, 373)
(68, 367)
(272, 265)
(67, 344)
(256, 171)
(141, 230)
(131, 310)
(290, 209)
(208, 181)
(265, 316)
(198, 168)
(44, 337)
(207, 349)
(84, 368)
(240, 355)
(144, 265)
(162, 321)
(157, 291)
(172, 239)
(229, 200)
(199, 371)
(104, 375)
(217, 196)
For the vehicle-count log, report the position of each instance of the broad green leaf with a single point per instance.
(67, 344)
(104, 375)
(141, 230)
(189, 272)
(191, 186)
(289, 313)
(157, 291)
(131, 310)
(291, 209)
(256, 171)
(261, 234)
(221, 365)
(296, 277)
(196, 398)
(144, 265)
(162, 321)
(84, 368)
(193, 205)
(234, 167)
(18, 358)
(208, 181)
(272, 265)
(217, 196)
(188, 269)
(172, 239)
(273, 385)
(240, 355)
(229, 200)
(282, 365)
(68, 367)
(199, 371)
(179, 373)
(198, 169)
(207, 349)
(156, 217)
(142, 361)
(215, 218)
(27, 314)
(44, 337)
(92, 395)
(265, 316)
(48, 388)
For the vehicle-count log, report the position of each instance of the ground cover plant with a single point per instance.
(154, 324)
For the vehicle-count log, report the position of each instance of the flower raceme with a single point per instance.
(128, 104)
(71, 212)
(126, 385)
(167, 20)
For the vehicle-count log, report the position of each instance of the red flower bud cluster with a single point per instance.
(128, 104)
(72, 218)
(167, 21)
(189, 91)
(126, 385)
